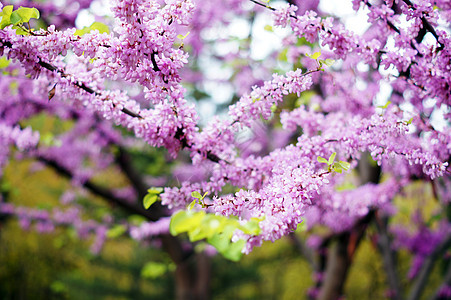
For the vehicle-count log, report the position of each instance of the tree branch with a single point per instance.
(124, 162)
(303, 250)
(426, 25)
(389, 259)
(84, 87)
(268, 7)
(340, 258)
(338, 263)
(152, 215)
(426, 269)
(446, 283)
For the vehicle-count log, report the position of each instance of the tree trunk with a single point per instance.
(338, 263)
(342, 250)
(192, 273)
(192, 278)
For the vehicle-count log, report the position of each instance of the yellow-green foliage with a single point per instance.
(366, 278)
(417, 197)
(273, 271)
(59, 265)
(30, 263)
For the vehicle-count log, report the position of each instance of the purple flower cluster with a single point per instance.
(23, 138)
(422, 59)
(340, 210)
(45, 221)
(421, 242)
(149, 229)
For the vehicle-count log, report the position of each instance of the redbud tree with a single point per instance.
(323, 126)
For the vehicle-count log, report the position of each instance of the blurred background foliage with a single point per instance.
(60, 266)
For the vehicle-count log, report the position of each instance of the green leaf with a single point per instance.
(25, 14)
(44, 206)
(182, 37)
(216, 229)
(344, 165)
(322, 160)
(79, 32)
(223, 244)
(337, 168)
(233, 252)
(155, 190)
(15, 18)
(153, 270)
(252, 226)
(222, 240)
(304, 99)
(102, 28)
(20, 31)
(314, 55)
(149, 199)
(301, 226)
(385, 106)
(269, 28)
(152, 196)
(6, 11)
(332, 158)
(6, 14)
(191, 205)
(196, 194)
(184, 221)
(116, 231)
(329, 62)
(4, 62)
(210, 225)
(197, 234)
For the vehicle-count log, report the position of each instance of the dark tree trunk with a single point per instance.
(338, 263)
(192, 273)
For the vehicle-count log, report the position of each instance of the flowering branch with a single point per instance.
(427, 25)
